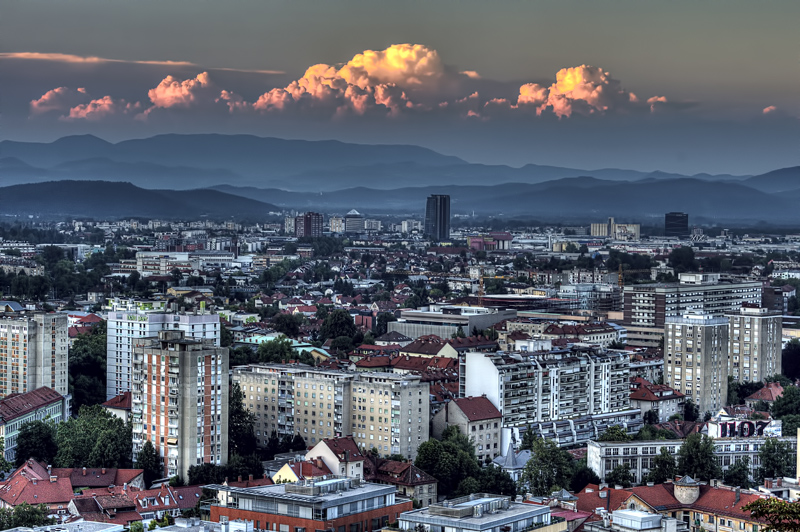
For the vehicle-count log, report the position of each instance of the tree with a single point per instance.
(696, 458)
(96, 438)
(451, 461)
(620, 476)
(5, 465)
(495, 480)
(298, 443)
(241, 424)
(384, 318)
(25, 515)
(651, 417)
(87, 367)
(739, 473)
(663, 467)
(616, 344)
(682, 259)
(287, 324)
(225, 336)
(582, 477)
(615, 433)
(136, 527)
(548, 468)
(459, 333)
(790, 359)
(337, 323)
(273, 446)
(690, 411)
(150, 461)
(37, 440)
(777, 459)
(780, 515)
(788, 403)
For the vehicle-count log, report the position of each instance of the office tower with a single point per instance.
(33, 353)
(336, 224)
(676, 224)
(131, 320)
(179, 400)
(318, 403)
(437, 217)
(308, 224)
(755, 342)
(696, 359)
(353, 222)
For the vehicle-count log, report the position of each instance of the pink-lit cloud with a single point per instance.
(769, 110)
(172, 92)
(101, 108)
(59, 99)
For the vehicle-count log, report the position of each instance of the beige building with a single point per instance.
(478, 419)
(696, 359)
(383, 410)
(33, 353)
(179, 400)
(754, 344)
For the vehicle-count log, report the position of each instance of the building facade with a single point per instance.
(755, 341)
(570, 396)
(696, 359)
(353, 222)
(33, 353)
(180, 400)
(387, 411)
(308, 224)
(130, 321)
(676, 225)
(37, 405)
(437, 217)
(477, 419)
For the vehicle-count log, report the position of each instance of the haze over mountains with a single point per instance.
(249, 176)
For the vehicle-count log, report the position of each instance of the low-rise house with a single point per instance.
(120, 406)
(411, 481)
(33, 483)
(659, 398)
(478, 419)
(513, 462)
(341, 455)
(769, 393)
(300, 470)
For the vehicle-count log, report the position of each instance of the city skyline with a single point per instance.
(676, 88)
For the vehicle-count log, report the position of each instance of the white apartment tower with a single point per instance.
(33, 353)
(131, 320)
(755, 342)
(696, 359)
(179, 400)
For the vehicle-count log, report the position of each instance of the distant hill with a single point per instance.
(103, 199)
(192, 161)
(776, 181)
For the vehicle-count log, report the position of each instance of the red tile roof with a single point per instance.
(16, 405)
(308, 469)
(339, 446)
(122, 402)
(769, 393)
(477, 408)
(395, 472)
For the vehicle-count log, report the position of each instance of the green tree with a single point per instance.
(25, 515)
(287, 324)
(87, 367)
(337, 323)
(342, 344)
(777, 459)
(651, 417)
(241, 424)
(298, 443)
(225, 337)
(582, 477)
(273, 446)
(780, 515)
(663, 468)
(383, 320)
(788, 403)
(150, 461)
(682, 260)
(739, 473)
(615, 433)
(451, 461)
(495, 480)
(136, 527)
(548, 468)
(95, 438)
(5, 465)
(37, 440)
(620, 476)
(790, 359)
(690, 411)
(696, 458)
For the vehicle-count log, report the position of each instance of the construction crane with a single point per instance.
(621, 274)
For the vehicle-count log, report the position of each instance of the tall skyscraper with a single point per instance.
(179, 400)
(308, 224)
(437, 217)
(676, 224)
(353, 222)
(33, 353)
(696, 359)
(131, 320)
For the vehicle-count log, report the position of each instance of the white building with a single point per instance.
(131, 320)
(754, 344)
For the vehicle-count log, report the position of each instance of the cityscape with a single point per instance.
(394, 267)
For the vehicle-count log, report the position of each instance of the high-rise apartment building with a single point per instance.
(383, 410)
(308, 224)
(696, 358)
(130, 320)
(676, 224)
(33, 353)
(179, 400)
(437, 217)
(567, 395)
(754, 344)
(288, 225)
(336, 224)
(353, 222)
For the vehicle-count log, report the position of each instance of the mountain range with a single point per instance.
(244, 175)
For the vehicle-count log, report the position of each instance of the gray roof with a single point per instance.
(13, 305)
(513, 459)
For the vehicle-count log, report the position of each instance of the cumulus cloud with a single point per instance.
(655, 101)
(172, 92)
(768, 110)
(101, 108)
(59, 99)
(470, 74)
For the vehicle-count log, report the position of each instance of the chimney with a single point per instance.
(125, 486)
(34, 481)
(240, 478)
(250, 477)
(103, 471)
(84, 471)
(738, 492)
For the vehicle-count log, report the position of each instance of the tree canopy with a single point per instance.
(549, 468)
(87, 368)
(241, 424)
(337, 323)
(37, 440)
(151, 462)
(696, 458)
(96, 438)
(780, 515)
(663, 467)
(615, 433)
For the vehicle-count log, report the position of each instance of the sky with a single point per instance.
(681, 86)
